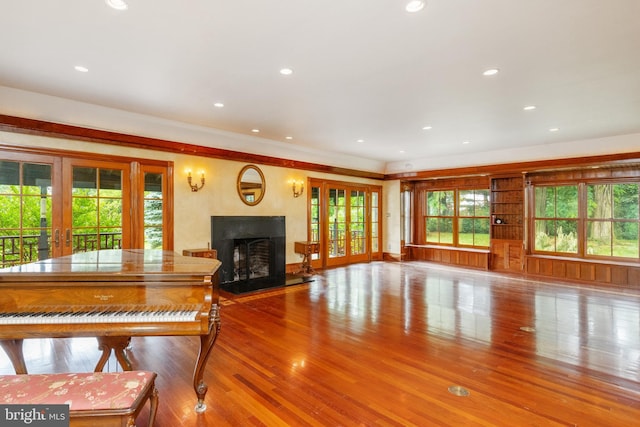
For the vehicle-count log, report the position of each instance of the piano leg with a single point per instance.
(118, 345)
(13, 348)
(206, 344)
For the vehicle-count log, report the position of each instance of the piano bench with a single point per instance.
(102, 399)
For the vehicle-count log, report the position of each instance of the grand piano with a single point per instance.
(112, 295)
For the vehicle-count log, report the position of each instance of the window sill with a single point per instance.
(449, 248)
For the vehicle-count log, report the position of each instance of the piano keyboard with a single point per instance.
(44, 317)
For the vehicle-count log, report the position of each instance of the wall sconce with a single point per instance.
(196, 187)
(295, 185)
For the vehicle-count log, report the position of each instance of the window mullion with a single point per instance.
(455, 218)
(582, 221)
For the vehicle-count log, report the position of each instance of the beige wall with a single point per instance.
(192, 211)
(391, 220)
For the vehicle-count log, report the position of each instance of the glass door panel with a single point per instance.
(96, 199)
(84, 208)
(337, 223)
(26, 203)
(375, 226)
(98, 193)
(153, 210)
(357, 223)
(314, 219)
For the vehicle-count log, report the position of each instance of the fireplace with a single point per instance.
(252, 251)
(251, 259)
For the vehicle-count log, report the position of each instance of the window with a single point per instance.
(473, 217)
(587, 219)
(439, 220)
(556, 219)
(612, 220)
(406, 209)
(458, 217)
(153, 210)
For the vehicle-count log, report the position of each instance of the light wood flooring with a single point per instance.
(385, 344)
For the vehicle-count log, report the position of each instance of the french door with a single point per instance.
(53, 206)
(343, 217)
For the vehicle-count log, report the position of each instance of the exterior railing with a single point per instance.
(15, 250)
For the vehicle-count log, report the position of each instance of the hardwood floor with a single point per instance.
(382, 343)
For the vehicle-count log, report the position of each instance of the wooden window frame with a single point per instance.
(612, 220)
(474, 217)
(582, 182)
(439, 217)
(577, 219)
(455, 217)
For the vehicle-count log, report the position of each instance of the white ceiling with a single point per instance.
(363, 69)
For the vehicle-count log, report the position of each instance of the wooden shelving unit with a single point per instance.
(507, 223)
(507, 208)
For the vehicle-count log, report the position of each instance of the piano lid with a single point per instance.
(118, 264)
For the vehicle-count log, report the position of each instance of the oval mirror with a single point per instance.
(251, 185)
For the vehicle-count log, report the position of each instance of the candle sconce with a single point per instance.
(195, 187)
(297, 187)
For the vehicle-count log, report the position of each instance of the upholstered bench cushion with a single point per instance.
(85, 391)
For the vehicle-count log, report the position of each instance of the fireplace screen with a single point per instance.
(251, 258)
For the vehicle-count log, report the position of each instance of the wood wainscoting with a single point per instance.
(596, 272)
(461, 257)
(507, 255)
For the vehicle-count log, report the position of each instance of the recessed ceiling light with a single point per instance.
(81, 68)
(401, 151)
(554, 129)
(255, 130)
(117, 4)
(288, 137)
(491, 72)
(427, 128)
(414, 6)
(286, 71)
(466, 142)
(529, 108)
(218, 105)
(360, 140)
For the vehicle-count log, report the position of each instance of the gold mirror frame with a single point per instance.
(250, 190)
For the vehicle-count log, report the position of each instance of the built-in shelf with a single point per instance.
(507, 208)
(507, 223)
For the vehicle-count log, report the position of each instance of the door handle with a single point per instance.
(56, 238)
(68, 237)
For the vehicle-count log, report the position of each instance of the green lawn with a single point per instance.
(621, 248)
